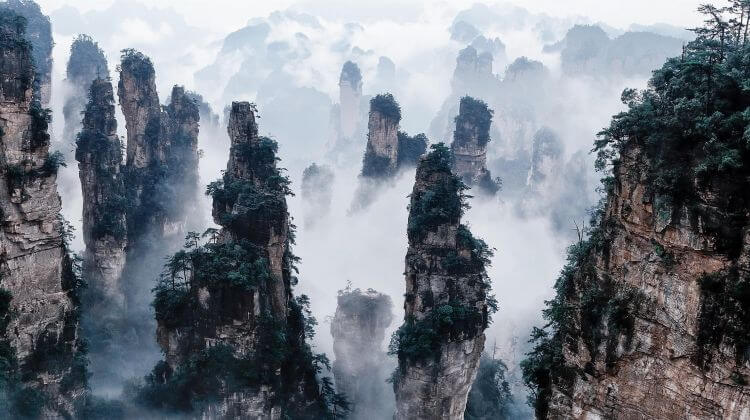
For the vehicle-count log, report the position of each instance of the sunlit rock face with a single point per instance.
(39, 34)
(99, 153)
(86, 64)
(446, 306)
(641, 299)
(469, 145)
(34, 265)
(358, 329)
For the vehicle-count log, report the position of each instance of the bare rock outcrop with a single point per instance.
(231, 299)
(86, 64)
(99, 153)
(650, 318)
(35, 269)
(39, 34)
(358, 329)
(162, 150)
(389, 149)
(469, 145)
(447, 304)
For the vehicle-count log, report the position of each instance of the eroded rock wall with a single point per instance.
(34, 264)
(99, 155)
(644, 365)
(445, 277)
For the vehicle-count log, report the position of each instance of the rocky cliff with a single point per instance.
(358, 329)
(447, 304)
(162, 153)
(229, 302)
(41, 363)
(650, 319)
(469, 145)
(381, 155)
(388, 149)
(99, 156)
(86, 64)
(39, 34)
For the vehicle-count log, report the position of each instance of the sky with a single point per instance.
(221, 15)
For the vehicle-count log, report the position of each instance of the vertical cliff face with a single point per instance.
(183, 117)
(86, 64)
(229, 302)
(98, 151)
(650, 318)
(388, 149)
(350, 95)
(162, 155)
(39, 34)
(358, 329)
(447, 306)
(469, 145)
(140, 105)
(35, 269)
(381, 155)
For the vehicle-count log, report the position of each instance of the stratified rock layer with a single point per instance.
(446, 299)
(358, 329)
(34, 264)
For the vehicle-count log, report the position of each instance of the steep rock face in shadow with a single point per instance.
(231, 299)
(162, 150)
(99, 153)
(86, 64)
(39, 34)
(35, 270)
(447, 306)
(358, 329)
(469, 145)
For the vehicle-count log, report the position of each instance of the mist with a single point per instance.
(288, 60)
